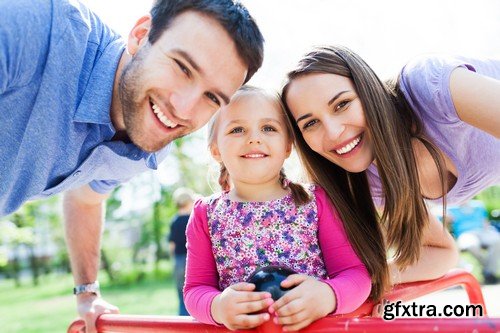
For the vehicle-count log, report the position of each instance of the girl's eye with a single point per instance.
(309, 124)
(183, 68)
(213, 98)
(236, 130)
(268, 128)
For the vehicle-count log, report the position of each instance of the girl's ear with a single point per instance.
(139, 34)
(214, 150)
(288, 149)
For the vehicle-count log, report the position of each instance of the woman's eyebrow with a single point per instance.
(307, 115)
(334, 98)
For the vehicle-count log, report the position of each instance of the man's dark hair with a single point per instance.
(233, 16)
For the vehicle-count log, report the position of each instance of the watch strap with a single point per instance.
(92, 288)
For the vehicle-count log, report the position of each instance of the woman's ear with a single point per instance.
(139, 34)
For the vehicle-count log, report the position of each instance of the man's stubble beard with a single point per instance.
(128, 90)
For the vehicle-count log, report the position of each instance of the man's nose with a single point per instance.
(184, 103)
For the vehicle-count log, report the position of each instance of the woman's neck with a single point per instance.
(428, 172)
(267, 191)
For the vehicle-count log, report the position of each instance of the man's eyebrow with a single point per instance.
(334, 98)
(197, 68)
(189, 59)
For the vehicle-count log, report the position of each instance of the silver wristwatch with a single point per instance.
(92, 288)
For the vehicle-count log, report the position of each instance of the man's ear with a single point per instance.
(139, 34)
(214, 150)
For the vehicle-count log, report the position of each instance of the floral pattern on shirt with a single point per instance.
(248, 235)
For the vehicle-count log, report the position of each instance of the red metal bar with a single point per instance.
(409, 291)
(353, 322)
(174, 324)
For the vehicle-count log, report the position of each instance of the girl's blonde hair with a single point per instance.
(299, 194)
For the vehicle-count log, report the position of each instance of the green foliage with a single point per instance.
(50, 307)
(491, 198)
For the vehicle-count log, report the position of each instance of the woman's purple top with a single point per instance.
(425, 82)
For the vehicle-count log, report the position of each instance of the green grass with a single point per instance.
(51, 307)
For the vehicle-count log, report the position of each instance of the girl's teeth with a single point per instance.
(348, 147)
(165, 121)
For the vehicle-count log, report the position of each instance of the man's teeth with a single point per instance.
(165, 121)
(349, 146)
(254, 155)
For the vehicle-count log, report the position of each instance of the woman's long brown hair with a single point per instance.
(392, 126)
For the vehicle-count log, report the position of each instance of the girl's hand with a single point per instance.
(237, 305)
(308, 301)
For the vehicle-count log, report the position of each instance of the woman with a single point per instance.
(431, 135)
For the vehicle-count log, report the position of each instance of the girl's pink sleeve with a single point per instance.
(202, 280)
(347, 275)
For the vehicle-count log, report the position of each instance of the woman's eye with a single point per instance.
(268, 129)
(236, 130)
(309, 124)
(213, 98)
(342, 105)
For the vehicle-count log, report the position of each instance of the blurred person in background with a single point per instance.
(474, 233)
(184, 199)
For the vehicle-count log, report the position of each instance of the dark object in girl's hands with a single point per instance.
(269, 279)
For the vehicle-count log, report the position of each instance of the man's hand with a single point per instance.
(308, 301)
(90, 307)
(237, 305)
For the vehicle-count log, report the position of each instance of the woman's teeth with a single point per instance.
(164, 120)
(350, 146)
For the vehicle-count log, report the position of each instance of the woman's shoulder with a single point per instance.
(424, 81)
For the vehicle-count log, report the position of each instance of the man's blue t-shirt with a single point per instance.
(57, 69)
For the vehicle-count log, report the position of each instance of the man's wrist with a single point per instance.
(87, 288)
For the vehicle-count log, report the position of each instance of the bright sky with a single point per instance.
(386, 33)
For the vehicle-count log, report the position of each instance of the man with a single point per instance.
(184, 200)
(80, 115)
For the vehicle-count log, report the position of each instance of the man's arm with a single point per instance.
(83, 219)
(437, 256)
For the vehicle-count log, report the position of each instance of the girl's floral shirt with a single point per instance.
(249, 235)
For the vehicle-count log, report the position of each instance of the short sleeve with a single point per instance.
(24, 40)
(425, 83)
(104, 186)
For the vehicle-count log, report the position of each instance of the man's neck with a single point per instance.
(116, 112)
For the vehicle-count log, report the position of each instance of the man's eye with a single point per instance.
(309, 124)
(236, 130)
(268, 128)
(213, 98)
(183, 68)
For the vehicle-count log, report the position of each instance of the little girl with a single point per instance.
(262, 219)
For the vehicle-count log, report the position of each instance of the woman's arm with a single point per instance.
(476, 99)
(437, 256)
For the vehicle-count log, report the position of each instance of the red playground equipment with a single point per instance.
(360, 320)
